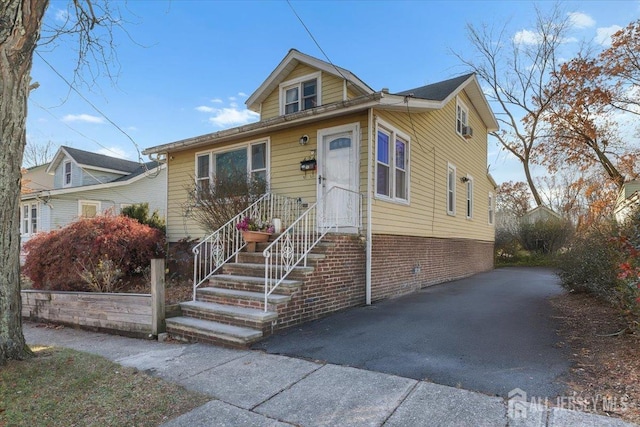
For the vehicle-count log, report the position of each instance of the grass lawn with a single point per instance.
(61, 387)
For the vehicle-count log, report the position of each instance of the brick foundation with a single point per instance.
(404, 264)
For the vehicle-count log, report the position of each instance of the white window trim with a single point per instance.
(298, 81)
(463, 106)
(29, 218)
(451, 167)
(95, 203)
(469, 205)
(64, 173)
(491, 211)
(247, 145)
(393, 133)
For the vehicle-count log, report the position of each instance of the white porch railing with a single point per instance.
(294, 244)
(226, 242)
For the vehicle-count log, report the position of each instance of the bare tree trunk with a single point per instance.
(20, 23)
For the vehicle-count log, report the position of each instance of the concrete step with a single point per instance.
(231, 315)
(252, 283)
(240, 298)
(257, 270)
(190, 329)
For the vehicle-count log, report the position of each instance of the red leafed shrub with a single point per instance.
(58, 260)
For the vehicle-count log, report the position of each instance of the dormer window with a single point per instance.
(66, 179)
(300, 94)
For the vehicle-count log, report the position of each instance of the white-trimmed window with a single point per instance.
(88, 208)
(451, 189)
(491, 209)
(469, 184)
(392, 163)
(66, 173)
(300, 94)
(248, 160)
(462, 117)
(29, 223)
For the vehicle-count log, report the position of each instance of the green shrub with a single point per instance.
(140, 212)
(91, 254)
(545, 236)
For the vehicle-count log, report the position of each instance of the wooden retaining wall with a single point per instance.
(128, 314)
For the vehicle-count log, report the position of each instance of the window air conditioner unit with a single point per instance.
(467, 132)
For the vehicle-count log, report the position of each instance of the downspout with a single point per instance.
(369, 192)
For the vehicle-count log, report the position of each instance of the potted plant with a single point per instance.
(254, 231)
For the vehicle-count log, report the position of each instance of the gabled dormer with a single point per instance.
(301, 82)
(71, 167)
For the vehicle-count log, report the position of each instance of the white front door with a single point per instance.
(338, 199)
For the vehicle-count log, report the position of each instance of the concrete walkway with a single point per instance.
(251, 388)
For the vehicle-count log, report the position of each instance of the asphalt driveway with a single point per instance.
(491, 333)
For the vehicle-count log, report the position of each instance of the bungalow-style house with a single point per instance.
(79, 183)
(627, 201)
(379, 194)
(540, 213)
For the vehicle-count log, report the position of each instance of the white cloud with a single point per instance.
(114, 152)
(233, 104)
(242, 94)
(132, 128)
(87, 118)
(527, 37)
(217, 101)
(603, 34)
(205, 109)
(581, 20)
(232, 98)
(233, 117)
(61, 15)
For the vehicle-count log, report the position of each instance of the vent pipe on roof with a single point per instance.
(385, 90)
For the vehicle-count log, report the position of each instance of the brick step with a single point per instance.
(199, 330)
(257, 270)
(240, 298)
(252, 283)
(230, 315)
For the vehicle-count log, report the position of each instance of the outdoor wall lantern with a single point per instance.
(304, 139)
(464, 179)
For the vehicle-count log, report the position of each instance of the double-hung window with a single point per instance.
(392, 164)
(248, 161)
(469, 183)
(29, 223)
(451, 189)
(66, 176)
(300, 94)
(462, 117)
(88, 208)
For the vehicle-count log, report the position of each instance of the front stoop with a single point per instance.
(230, 310)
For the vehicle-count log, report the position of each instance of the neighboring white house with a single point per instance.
(540, 213)
(628, 200)
(83, 184)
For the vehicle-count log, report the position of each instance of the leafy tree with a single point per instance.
(21, 23)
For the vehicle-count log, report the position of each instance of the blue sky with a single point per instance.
(186, 67)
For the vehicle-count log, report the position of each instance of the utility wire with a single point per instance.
(316, 42)
(95, 108)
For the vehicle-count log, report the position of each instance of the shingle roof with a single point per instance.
(88, 158)
(437, 91)
(141, 168)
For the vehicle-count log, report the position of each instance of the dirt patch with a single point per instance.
(605, 377)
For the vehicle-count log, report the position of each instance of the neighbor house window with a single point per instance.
(451, 189)
(491, 209)
(246, 161)
(67, 174)
(462, 114)
(29, 223)
(392, 163)
(300, 94)
(469, 184)
(88, 208)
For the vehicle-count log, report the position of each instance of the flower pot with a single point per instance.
(253, 237)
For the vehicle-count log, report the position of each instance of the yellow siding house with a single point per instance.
(409, 167)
